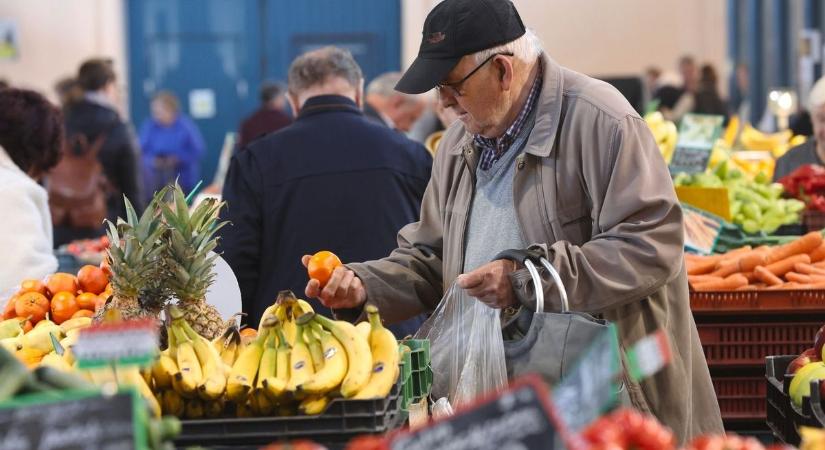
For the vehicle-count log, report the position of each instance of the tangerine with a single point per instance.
(321, 265)
(63, 307)
(33, 305)
(87, 300)
(62, 282)
(9, 312)
(32, 286)
(92, 279)
(83, 313)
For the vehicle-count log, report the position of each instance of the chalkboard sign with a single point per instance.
(80, 420)
(519, 417)
(590, 388)
(697, 136)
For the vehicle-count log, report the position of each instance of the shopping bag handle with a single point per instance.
(529, 257)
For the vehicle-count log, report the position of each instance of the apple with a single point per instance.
(813, 354)
(819, 341)
(798, 362)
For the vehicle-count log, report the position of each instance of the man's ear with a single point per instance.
(359, 94)
(504, 66)
(293, 103)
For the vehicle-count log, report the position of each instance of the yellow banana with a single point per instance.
(243, 410)
(316, 351)
(334, 369)
(190, 374)
(214, 382)
(358, 354)
(313, 405)
(131, 376)
(384, 349)
(56, 361)
(260, 403)
(230, 347)
(269, 359)
(171, 403)
(163, 370)
(242, 376)
(275, 386)
(76, 323)
(213, 408)
(304, 306)
(364, 329)
(194, 409)
(300, 360)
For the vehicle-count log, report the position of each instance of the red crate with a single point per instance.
(748, 303)
(747, 344)
(741, 397)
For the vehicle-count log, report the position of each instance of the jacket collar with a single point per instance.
(547, 110)
(327, 103)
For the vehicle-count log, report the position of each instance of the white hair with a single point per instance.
(526, 48)
(816, 97)
(384, 84)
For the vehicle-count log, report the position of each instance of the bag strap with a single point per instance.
(529, 258)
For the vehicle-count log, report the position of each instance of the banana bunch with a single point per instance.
(776, 143)
(665, 133)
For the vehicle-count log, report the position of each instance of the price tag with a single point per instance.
(697, 136)
(649, 355)
(519, 417)
(701, 230)
(132, 342)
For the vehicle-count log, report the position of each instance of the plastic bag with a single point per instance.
(466, 348)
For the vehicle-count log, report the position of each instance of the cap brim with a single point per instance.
(424, 74)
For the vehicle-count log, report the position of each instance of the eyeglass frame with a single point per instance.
(455, 86)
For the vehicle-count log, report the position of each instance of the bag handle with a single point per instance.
(529, 257)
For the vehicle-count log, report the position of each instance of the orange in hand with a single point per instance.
(321, 265)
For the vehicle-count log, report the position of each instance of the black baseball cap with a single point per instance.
(453, 29)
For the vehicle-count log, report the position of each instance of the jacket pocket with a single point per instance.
(573, 224)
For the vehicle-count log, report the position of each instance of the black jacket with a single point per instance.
(119, 157)
(333, 180)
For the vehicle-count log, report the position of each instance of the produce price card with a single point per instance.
(697, 136)
(133, 342)
(701, 230)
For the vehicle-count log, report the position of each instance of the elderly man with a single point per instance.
(387, 106)
(541, 155)
(333, 180)
(813, 150)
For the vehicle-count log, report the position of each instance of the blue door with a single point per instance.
(218, 51)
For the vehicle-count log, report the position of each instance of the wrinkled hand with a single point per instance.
(343, 290)
(490, 283)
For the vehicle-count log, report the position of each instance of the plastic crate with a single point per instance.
(747, 344)
(757, 302)
(406, 376)
(421, 371)
(778, 404)
(343, 420)
(816, 406)
(741, 397)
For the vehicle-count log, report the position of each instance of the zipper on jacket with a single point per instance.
(467, 213)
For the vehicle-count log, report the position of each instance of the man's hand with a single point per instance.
(343, 290)
(490, 283)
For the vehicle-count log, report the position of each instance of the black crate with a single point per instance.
(343, 420)
(778, 409)
(815, 404)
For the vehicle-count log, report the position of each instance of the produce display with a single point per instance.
(665, 133)
(799, 264)
(755, 205)
(807, 183)
(90, 251)
(296, 364)
(807, 367)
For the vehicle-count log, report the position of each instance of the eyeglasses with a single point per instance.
(454, 88)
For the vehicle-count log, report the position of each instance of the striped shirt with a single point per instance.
(493, 148)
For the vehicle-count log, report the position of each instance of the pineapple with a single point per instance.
(188, 241)
(134, 254)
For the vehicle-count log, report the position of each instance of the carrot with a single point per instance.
(819, 265)
(783, 286)
(784, 266)
(750, 276)
(819, 253)
(726, 267)
(805, 244)
(699, 279)
(767, 277)
(808, 269)
(798, 277)
(701, 267)
(728, 284)
(749, 261)
(747, 287)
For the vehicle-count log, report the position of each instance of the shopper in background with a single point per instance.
(68, 91)
(686, 99)
(172, 146)
(95, 118)
(387, 106)
(333, 180)
(31, 135)
(546, 158)
(813, 150)
(268, 118)
(707, 100)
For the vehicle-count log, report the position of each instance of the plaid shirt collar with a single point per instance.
(494, 148)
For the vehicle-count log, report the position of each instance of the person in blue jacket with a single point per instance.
(333, 180)
(172, 146)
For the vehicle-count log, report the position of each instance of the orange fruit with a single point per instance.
(32, 286)
(62, 282)
(33, 305)
(9, 312)
(83, 313)
(86, 300)
(92, 279)
(321, 266)
(63, 307)
(101, 300)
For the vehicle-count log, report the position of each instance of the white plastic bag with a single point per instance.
(466, 348)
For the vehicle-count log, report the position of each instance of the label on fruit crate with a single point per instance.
(132, 342)
(519, 417)
(590, 388)
(73, 420)
(697, 136)
(649, 355)
(701, 230)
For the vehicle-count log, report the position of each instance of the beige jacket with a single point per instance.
(592, 188)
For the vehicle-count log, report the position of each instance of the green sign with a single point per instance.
(698, 134)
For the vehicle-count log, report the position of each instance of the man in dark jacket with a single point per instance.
(333, 180)
(268, 118)
(95, 115)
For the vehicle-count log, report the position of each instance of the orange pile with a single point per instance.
(62, 297)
